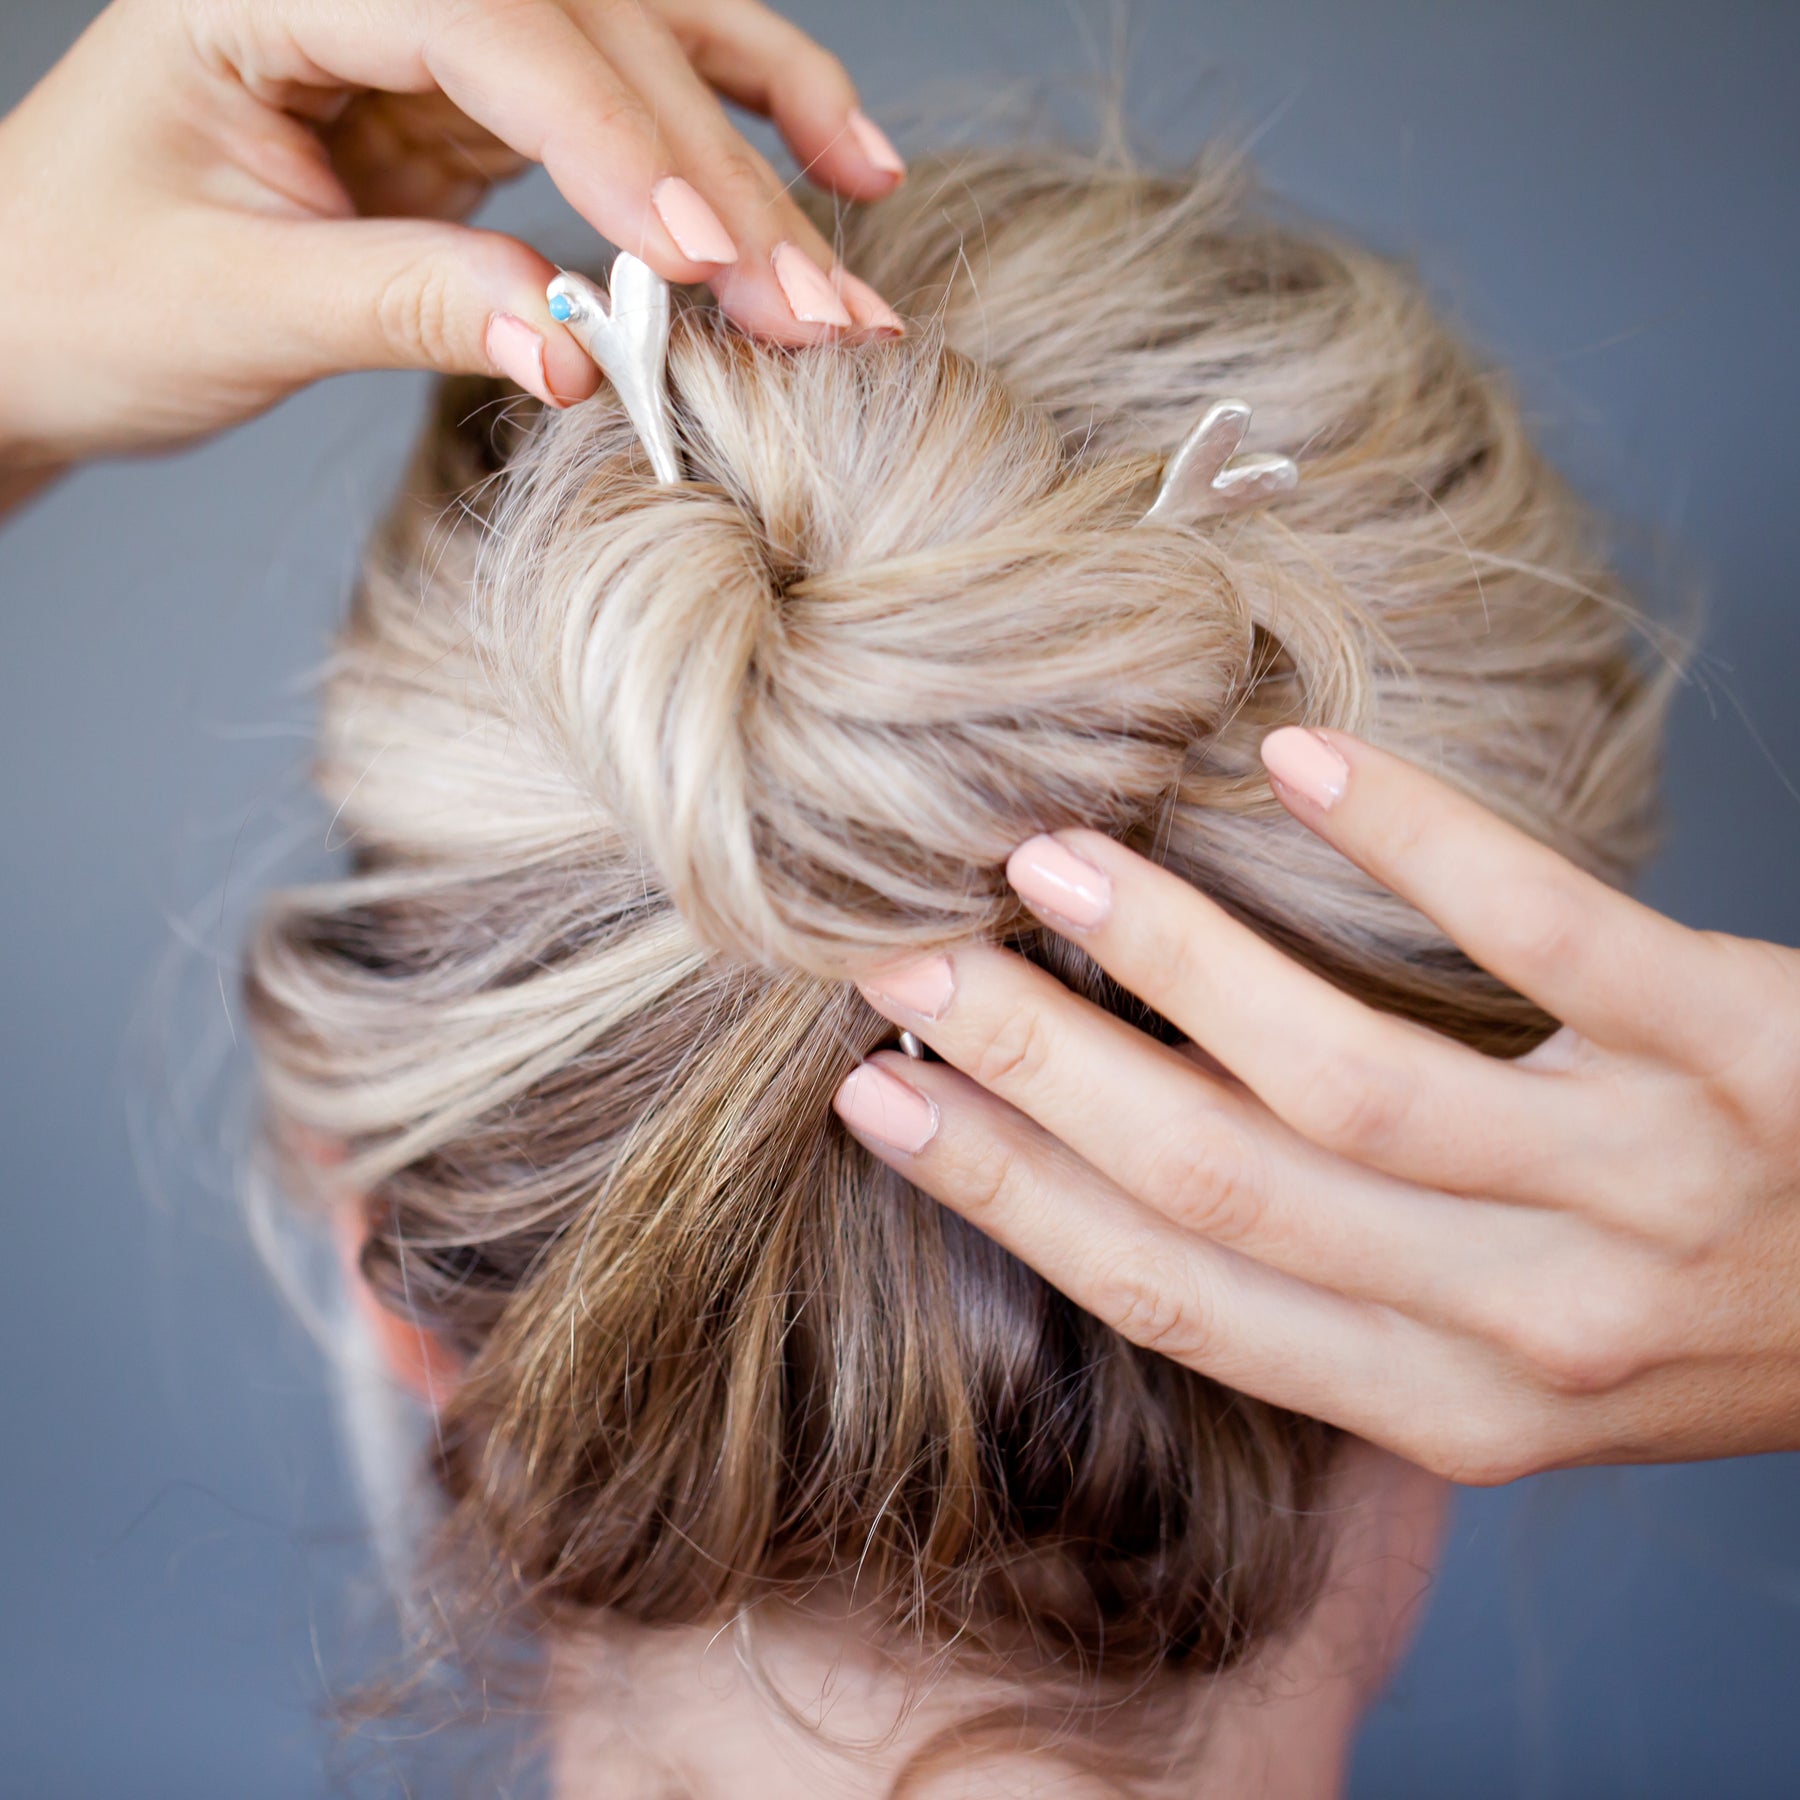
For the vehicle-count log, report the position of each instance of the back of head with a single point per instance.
(636, 776)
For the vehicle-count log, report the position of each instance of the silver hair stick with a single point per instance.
(626, 331)
(1206, 475)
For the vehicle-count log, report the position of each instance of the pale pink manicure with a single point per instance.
(1304, 762)
(887, 1109)
(518, 353)
(1053, 879)
(873, 142)
(698, 231)
(867, 307)
(924, 989)
(810, 295)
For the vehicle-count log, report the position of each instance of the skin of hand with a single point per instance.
(1590, 1254)
(209, 203)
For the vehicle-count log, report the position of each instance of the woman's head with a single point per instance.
(637, 776)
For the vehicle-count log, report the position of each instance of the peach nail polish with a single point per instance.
(882, 1106)
(873, 142)
(518, 353)
(1306, 764)
(1053, 879)
(698, 231)
(810, 296)
(922, 988)
(867, 307)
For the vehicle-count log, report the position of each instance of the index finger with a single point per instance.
(1618, 972)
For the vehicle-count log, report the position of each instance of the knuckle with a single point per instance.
(416, 313)
(1356, 1103)
(1398, 837)
(1544, 927)
(701, 35)
(1158, 950)
(1656, 1163)
(989, 1179)
(809, 64)
(611, 105)
(1205, 1176)
(1753, 1080)
(620, 113)
(1013, 1055)
(1140, 1301)
(1479, 1453)
(1686, 1212)
(1588, 1333)
(1758, 1094)
(828, 70)
(732, 167)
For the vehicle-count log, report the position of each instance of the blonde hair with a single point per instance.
(636, 775)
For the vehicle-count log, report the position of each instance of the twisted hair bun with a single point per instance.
(887, 630)
(637, 775)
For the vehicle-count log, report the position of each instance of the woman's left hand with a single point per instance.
(1588, 1255)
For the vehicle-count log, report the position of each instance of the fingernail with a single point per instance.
(873, 142)
(1053, 879)
(882, 1106)
(867, 307)
(518, 353)
(1304, 762)
(698, 231)
(922, 988)
(810, 296)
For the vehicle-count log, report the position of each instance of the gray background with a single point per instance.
(1604, 192)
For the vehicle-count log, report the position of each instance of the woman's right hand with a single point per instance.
(1590, 1254)
(209, 203)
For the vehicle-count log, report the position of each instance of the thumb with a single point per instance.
(419, 294)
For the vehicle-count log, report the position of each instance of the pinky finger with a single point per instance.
(1384, 1377)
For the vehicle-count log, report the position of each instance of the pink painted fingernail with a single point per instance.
(867, 307)
(874, 143)
(882, 1106)
(810, 296)
(923, 988)
(698, 231)
(517, 352)
(1053, 879)
(1305, 763)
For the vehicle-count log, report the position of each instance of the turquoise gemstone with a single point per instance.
(562, 309)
